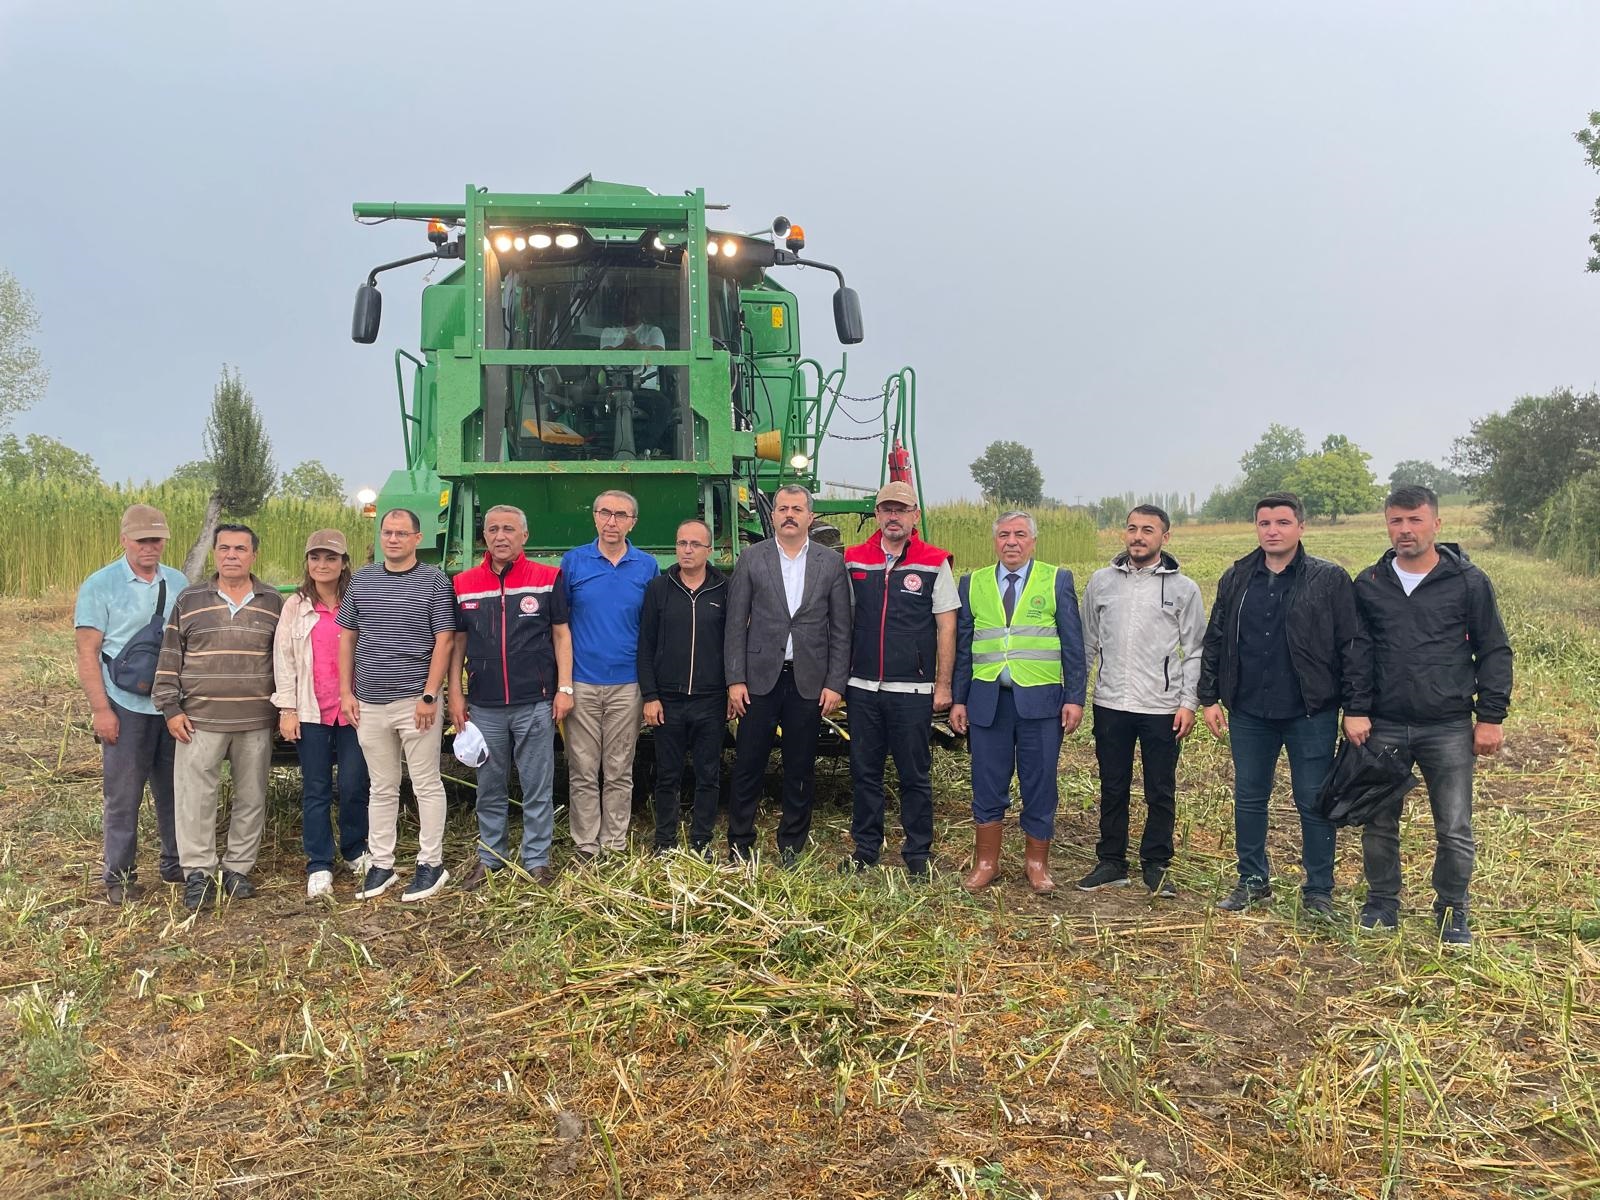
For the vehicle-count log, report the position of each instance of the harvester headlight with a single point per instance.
(367, 496)
(502, 242)
(539, 241)
(659, 244)
(730, 248)
(799, 462)
(566, 240)
(711, 248)
(521, 243)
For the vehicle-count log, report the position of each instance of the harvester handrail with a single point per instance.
(407, 418)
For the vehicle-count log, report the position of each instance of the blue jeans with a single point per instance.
(523, 734)
(1256, 743)
(317, 748)
(1444, 752)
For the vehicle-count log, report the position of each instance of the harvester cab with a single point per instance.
(607, 337)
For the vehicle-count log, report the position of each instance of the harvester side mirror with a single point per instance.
(847, 315)
(369, 313)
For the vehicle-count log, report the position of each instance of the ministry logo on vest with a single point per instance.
(530, 604)
(913, 583)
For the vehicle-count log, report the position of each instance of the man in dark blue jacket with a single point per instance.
(513, 640)
(1284, 650)
(1441, 688)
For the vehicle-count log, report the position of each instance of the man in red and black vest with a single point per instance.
(512, 637)
(902, 656)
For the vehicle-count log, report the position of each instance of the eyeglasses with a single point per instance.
(400, 533)
(686, 544)
(894, 510)
(606, 514)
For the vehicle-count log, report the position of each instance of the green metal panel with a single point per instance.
(444, 315)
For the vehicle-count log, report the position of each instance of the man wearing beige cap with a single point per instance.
(214, 685)
(902, 654)
(129, 602)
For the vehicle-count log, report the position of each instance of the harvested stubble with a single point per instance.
(665, 1027)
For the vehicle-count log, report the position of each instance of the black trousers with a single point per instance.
(1115, 735)
(802, 722)
(695, 725)
(881, 724)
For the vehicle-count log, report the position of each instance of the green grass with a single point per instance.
(57, 536)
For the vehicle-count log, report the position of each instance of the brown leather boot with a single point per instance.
(985, 857)
(1037, 865)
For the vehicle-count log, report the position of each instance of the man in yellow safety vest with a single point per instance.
(1019, 687)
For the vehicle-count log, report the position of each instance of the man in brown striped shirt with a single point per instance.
(214, 686)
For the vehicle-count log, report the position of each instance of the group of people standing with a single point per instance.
(354, 667)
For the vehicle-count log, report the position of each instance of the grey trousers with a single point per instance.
(197, 774)
(142, 754)
(602, 732)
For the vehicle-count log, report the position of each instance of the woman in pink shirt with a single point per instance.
(306, 662)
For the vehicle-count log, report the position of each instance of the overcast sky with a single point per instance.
(1127, 235)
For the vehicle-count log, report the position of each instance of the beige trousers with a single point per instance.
(389, 735)
(601, 734)
(196, 778)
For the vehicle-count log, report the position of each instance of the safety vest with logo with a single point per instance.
(1030, 646)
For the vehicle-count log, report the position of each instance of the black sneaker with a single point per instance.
(920, 871)
(1159, 881)
(1379, 918)
(1104, 875)
(1247, 894)
(854, 866)
(172, 873)
(1453, 929)
(789, 857)
(377, 882)
(199, 890)
(1319, 907)
(425, 881)
(237, 886)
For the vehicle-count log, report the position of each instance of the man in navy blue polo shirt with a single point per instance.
(604, 582)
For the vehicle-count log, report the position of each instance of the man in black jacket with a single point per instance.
(1284, 649)
(1440, 658)
(681, 628)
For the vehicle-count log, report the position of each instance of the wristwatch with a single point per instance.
(429, 698)
(565, 691)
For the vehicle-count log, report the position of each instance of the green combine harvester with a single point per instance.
(607, 337)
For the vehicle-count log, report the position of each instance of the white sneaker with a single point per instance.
(358, 865)
(319, 883)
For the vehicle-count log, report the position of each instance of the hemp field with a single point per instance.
(666, 1028)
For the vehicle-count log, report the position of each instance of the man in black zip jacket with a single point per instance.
(1284, 650)
(681, 681)
(1440, 659)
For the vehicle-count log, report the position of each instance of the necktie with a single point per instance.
(1010, 598)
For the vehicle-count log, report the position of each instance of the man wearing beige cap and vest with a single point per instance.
(214, 685)
(902, 655)
(120, 613)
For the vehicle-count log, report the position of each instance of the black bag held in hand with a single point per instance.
(1364, 781)
(134, 667)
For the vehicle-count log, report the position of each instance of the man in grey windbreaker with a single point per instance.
(1144, 623)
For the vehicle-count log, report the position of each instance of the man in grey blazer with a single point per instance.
(787, 656)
